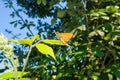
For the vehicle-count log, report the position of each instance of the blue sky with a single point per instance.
(5, 20)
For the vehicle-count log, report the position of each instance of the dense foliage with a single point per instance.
(94, 51)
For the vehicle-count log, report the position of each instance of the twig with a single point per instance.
(14, 68)
(21, 18)
(23, 69)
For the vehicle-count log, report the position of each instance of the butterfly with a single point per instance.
(64, 37)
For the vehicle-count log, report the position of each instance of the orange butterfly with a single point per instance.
(64, 37)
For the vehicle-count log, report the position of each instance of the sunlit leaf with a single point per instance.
(35, 37)
(101, 33)
(53, 77)
(105, 17)
(82, 28)
(11, 75)
(55, 42)
(25, 41)
(78, 53)
(59, 76)
(45, 49)
(107, 37)
(93, 33)
(112, 9)
(39, 2)
(102, 13)
(94, 14)
(22, 41)
(44, 2)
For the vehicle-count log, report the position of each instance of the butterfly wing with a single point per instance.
(65, 37)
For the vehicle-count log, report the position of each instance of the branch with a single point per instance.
(21, 18)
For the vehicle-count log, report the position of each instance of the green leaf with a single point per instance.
(39, 2)
(59, 76)
(107, 37)
(15, 25)
(12, 14)
(105, 17)
(22, 41)
(31, 24)
(11, 75)
(45, 49)
(25, 41)
(116, 32)
(98, 52)
(44, 2)
(61, 13)
(117, 14)
(116, 71)
(112, 9)
(93, 33)
(82, 28)
(118, 20)
(107, 26)
(100, 32)
(112, 34)
(12, 22)
(56, 42)
(53, 21)
(78, 53)
(35, 37)
(95, 14)
(25, 79)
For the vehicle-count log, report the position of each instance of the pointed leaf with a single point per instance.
(53, 21)
(56, 42)
(59, 76)
(45, 49)
(101, 33)
(22, 41)
(93, 33)
(107, 37)
(105, 17)
(44, 2)
(25, 41)
(39, 2)
(34, 37)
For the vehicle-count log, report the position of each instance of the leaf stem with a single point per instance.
(14, 68)
(23, 69)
